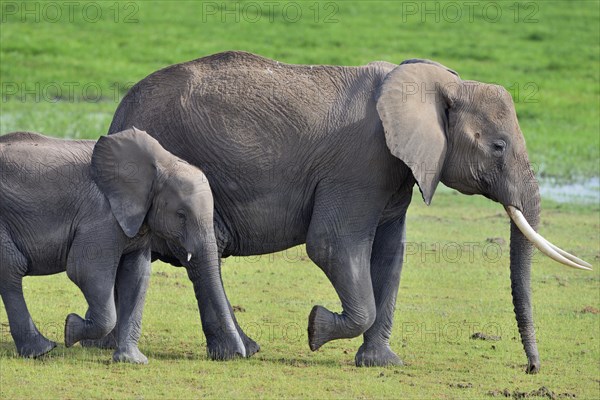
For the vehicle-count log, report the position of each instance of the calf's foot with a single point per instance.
(251, 346)
(225, 347)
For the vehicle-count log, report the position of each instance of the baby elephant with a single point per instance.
(90, 208)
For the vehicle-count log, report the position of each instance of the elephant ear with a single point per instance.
(413, 104)
(124, 167)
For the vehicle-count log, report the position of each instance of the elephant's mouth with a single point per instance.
(552, 251)
(491, 197)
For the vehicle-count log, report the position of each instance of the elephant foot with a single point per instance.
(225, 348)
(376, 356)
(74, 326)
(321, 322)
(533, 366)
(35, 347)
(107, 342)
(251, 346)
(131, 355)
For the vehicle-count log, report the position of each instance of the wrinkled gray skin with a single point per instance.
(328, 156)
(75, 206)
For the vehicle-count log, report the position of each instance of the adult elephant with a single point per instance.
(328, 156)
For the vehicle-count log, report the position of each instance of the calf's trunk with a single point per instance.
(204, 272)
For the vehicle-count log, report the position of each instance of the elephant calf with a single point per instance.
(91, 208)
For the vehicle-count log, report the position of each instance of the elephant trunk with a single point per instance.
(204, 271)
(521, 250)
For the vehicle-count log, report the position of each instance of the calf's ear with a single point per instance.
(124, 167)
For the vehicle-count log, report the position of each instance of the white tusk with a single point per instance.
(189, 256)
(538, 240)
(568, 255)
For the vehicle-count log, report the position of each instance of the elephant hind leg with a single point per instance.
(28, 340)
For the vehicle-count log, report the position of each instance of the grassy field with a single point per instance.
(64, 75)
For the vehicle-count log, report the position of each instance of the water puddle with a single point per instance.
(580, 191)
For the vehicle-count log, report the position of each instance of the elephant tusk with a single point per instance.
(542, 244)
(189, 256)
(568, 255)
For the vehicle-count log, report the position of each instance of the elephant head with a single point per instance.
(466, 135)
(144, 182)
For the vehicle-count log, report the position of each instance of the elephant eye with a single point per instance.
(181, 214)
(499, 146)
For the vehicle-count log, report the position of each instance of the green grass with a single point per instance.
(549, 59)
(443, 299)
(553, 64)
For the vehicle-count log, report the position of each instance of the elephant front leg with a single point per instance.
(107, 342)
(223, 340)
(339, 241)
(386, 266)
(346, 264)
(215, 341)
(133, 276)
(95, 276)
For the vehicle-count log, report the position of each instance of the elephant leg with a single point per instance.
(210, 325)
(251, 346)
(133, 275)
(107, 342)
(95, 276)
(339, 241)
(28, 340)
(386, 266)
(346, 264)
